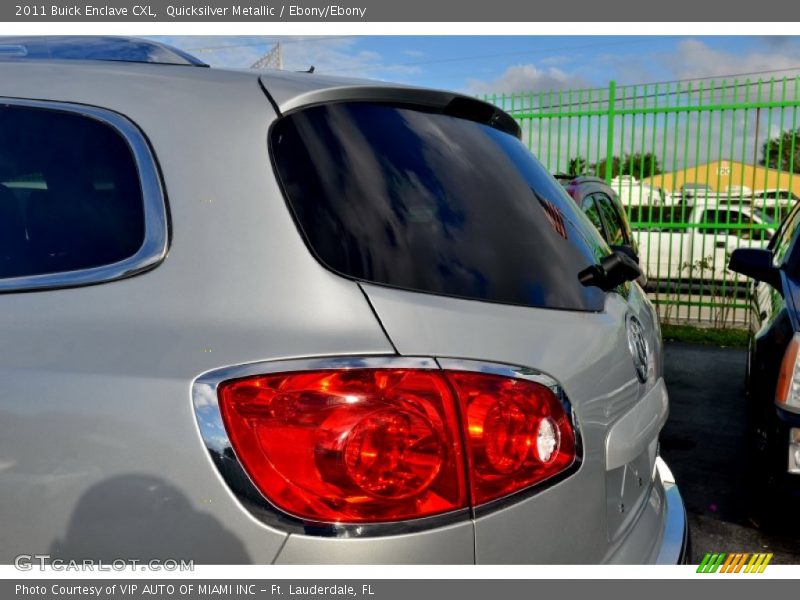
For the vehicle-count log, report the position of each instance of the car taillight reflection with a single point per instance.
(377, 445)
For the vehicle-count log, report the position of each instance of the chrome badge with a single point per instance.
(640, 349)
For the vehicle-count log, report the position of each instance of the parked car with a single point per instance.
(774, 203)
(271, 317)
(694, 241)
(773, 385)
(600, 203)
(633, 192)
(692, 189)
(774, 196)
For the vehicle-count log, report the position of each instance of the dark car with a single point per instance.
(773, 370)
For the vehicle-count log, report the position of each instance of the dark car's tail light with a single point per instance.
(376, 445)
(787, 390)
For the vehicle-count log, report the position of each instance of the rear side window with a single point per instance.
(433, 203)
(612, 219)
(70, 196)
(590, 210)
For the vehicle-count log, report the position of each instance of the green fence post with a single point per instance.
(612, 96)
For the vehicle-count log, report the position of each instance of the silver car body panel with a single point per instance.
(100, 452)
(633, 432)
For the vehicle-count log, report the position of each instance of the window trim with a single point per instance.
(156, 223)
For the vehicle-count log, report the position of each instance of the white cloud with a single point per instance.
(526, 78)
(695, 59)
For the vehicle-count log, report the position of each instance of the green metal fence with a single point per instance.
(700, 167)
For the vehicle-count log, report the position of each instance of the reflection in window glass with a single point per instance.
(590, 210)
(612, 220)
(434, 203)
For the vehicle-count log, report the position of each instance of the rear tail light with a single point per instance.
(787, 391)
(376, 445)
(354, 445)
(518, 433)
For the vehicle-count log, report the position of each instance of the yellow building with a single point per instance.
(722, 174)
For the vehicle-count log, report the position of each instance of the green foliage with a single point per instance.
(637, 164)
(782, 152)
(729, 338)
(577, 166)
(600, 168)
(702, 269)
(641, 165)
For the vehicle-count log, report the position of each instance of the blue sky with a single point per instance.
(509, 63)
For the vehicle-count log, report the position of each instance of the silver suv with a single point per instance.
(278, 317)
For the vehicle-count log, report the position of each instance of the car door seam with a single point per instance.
(377, 317)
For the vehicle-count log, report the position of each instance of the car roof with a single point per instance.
(105, 80)
(116, 85)
(107, 83)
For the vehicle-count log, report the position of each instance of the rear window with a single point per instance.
(434, 203)
(70, 197)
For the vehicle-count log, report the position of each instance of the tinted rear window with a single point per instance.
(70, 197)
(434, 203)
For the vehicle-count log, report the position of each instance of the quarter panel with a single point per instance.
(100, 455)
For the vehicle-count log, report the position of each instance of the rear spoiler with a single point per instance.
(289, 93)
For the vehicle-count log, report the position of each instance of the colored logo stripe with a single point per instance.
(729, 562)
(711, 562)
(733, 563)
(758, 563)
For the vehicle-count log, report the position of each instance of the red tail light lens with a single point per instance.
(517, 433)
(375, 445)
(358, 445)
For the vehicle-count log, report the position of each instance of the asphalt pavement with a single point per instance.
(704, 444)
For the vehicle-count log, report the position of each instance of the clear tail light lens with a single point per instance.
(378, 445)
